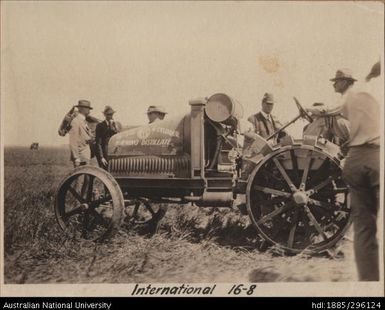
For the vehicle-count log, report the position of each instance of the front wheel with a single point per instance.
(142, 212)
(89, 204)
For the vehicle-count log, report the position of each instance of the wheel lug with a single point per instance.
(84, 206)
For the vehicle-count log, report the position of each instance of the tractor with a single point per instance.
(293, 190)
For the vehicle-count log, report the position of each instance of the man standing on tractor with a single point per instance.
(362, 168)
(264, 123)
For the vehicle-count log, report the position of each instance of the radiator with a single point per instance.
(155, 165)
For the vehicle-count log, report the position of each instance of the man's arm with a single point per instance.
(98, 141)
(114, 128)
(278, 125)
(326, 112)
(85, 132)
(251, 119)
(99, 146)
(74, 140)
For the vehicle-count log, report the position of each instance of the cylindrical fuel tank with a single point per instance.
(169, 137)
(222, 108)
(161, 148)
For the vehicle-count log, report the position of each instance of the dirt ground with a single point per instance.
(192, 244)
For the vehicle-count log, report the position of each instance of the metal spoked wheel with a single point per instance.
(297, 199)
(89, 204)
(141, 212)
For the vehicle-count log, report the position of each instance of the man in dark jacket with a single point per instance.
(104, 131)
(264, 123)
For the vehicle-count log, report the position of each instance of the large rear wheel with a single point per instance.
(297, 200)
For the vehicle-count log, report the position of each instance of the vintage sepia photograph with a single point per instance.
(192, 148)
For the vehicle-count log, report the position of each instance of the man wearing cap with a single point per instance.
(104, 131)
(155, 113)
(361, 169)
(80, 135)
(264, 123)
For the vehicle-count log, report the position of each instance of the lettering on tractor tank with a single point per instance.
(143, 142)
(156, 142)
(148, 136)
(145, 132)
(166, 131)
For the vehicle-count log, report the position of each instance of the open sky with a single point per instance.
(133, 54)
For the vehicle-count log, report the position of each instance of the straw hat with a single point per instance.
(343, 74)
(153, 108)
(84, 104)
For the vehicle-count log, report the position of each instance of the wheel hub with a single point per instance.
(300, 198)
(84, 206)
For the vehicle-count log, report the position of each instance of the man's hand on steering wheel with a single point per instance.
(302, 111)
(314, 111)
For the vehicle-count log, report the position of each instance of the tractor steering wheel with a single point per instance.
(302, 111)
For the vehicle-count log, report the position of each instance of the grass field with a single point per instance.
(192, 244)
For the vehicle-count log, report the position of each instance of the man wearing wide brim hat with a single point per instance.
(80, 135)
(343, 83)
(84, 104)
(155, 113)
(343, 74)
(361, 169)
(339, 129)
(104, 131)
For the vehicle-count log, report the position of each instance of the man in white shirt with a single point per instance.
(361, 170)
(80, 135)
(155, 113)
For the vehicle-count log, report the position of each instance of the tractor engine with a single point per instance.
(198, 148)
